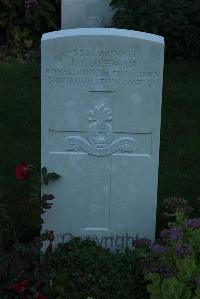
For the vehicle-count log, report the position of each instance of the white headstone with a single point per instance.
(86, 13)
(101, 110)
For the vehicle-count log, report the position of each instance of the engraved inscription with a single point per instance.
(81, 67)
(100, 53)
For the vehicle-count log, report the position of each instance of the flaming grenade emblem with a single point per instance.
(100, 126)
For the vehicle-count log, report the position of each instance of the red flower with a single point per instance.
(22, 171)
(20, 287)
(23, 286)
(41, 296)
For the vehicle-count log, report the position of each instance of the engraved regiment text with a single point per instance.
(80, 67)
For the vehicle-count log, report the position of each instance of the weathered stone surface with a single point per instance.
(101, 110)
(86, 13)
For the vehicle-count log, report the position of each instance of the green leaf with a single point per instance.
(187, 293)
(53, 176)
(186, 268)
(44, 171)
(172, 288)
(156, 296)
(154, 277)
(28, 43)
(153, 289)
(60, 290)
(197, 292)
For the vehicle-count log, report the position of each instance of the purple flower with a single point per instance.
(187, 210)
(160, 249)
(173, 234)
(30, 3)
(167, 270)
(193, 223)
(183, 250)
(143, 242)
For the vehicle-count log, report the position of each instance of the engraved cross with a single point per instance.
(99, 144)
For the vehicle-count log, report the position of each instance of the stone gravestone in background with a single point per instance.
(86, 13)
(101, 109)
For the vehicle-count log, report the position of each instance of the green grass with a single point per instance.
(19, 129)
(179, 172)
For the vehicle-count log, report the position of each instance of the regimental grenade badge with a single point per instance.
(100, 136)
(100, 126)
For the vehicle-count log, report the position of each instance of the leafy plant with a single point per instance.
(22, 272)
(172, 264)
(28, 216)
(25, 20)
(178, 21)
(23, 266)
(80, 267)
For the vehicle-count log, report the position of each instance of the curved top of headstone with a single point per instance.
(103, 31)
